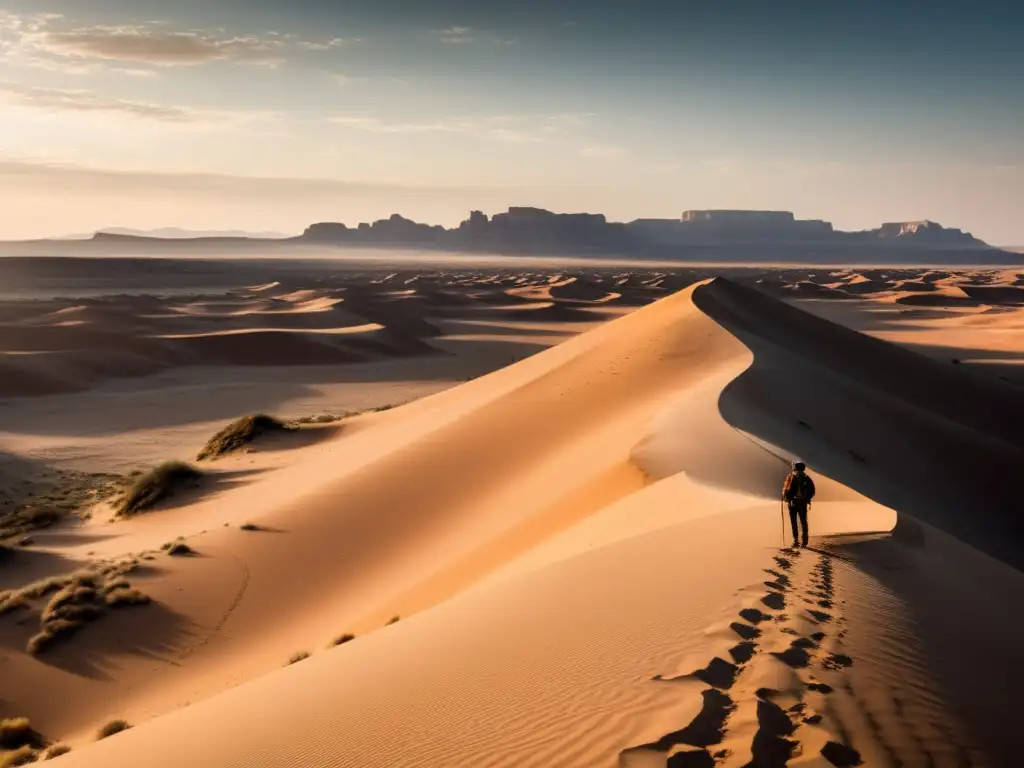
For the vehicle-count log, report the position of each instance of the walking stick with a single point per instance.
(782, 518)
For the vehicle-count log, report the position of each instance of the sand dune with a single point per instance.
(584, 546)
(577, 545)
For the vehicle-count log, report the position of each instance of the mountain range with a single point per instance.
(709, 236)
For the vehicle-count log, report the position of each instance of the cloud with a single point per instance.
(49, 41)
(456, 34)
(150, 45)
(337, 42)
(373, 125)
(58, 99)
(505, 128)
(81, 101)
(75, 179)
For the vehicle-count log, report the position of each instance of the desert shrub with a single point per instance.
(52, 631)
(239, 433)
(56, 751)
(20, 756)
(11, 602)
(342, 639)
(114, 726)
(178, 549)
(16, 732)
(80, 598)
(159, 483)
(298, 656)
(122, 597)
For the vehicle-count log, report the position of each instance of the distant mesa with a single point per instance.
(704, 235)
(176, 233)
(524, 230)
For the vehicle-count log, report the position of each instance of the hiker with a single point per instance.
(797, 491)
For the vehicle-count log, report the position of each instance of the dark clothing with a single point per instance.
(798, 487)
(798, 510)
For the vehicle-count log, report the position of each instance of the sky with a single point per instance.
(273, 114)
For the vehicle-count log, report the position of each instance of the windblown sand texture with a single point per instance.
(582, 541)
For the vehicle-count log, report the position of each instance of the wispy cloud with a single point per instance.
(74, 178)
(149, 45)
(506, 128)
(456, 34)
(57, 99)
(327, 45)
(81, 101)
(50, 41)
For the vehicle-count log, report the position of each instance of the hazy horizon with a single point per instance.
(266, 115)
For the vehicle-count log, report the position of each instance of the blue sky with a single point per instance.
(269, 115)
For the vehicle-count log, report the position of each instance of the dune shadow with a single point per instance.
(211, 484)
(888, 423)
(152, 631)
(20, 566)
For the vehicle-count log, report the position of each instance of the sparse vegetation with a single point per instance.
(56, 751)
(123, 597)
(393, 620)
(77, 599)
(298, 656)
(251, 527)
(342, 639)
(17, 732)
(44, 503)
(159, 483)
(178, 549)
(20, 756)
(240, 433)
(114, 726)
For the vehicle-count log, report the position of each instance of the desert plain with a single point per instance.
(510, 513)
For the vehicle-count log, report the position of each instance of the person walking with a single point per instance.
(797, 492)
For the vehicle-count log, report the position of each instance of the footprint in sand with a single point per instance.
(753, 615)
(794, 656)
(841, 755)
(837, 661)
(743, 652)
(718, 674)
(745, 631)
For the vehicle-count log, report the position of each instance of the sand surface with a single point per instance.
(574, 512)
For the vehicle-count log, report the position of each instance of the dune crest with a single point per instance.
(584, 548)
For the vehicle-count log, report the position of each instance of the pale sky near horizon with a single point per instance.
(269, 115)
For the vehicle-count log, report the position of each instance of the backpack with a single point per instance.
(799, 487)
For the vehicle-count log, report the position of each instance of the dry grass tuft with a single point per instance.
(17, 732)
(56, 751)
(20, 756)
(250, 527)
(122, 597)
(393, 620)
(342, 639)
(114, 726)
(240, 433)
(178, 549)
(298, 656)
(77, 599)
(159, 483)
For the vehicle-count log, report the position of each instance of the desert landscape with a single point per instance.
(508, 511)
